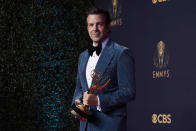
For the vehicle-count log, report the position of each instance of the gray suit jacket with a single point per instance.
(115, 62)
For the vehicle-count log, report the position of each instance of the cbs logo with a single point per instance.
(161, 118)
(160, 1)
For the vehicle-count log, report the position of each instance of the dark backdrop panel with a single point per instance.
(171, 97)
(40, 42)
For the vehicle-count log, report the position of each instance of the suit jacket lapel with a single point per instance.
(105, 57)
(83, 71)
(102, 63)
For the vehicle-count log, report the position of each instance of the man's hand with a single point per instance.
(90, 99)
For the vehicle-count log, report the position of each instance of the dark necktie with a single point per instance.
(91, 49)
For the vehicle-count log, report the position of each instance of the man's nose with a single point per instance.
(95, 27)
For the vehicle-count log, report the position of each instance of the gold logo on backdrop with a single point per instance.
(154, 118)
(115, 13)
(161, 119)
(115, 3)
(161, 58)
(161, 61)
(159, 1)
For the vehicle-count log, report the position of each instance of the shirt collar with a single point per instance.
(103, 44)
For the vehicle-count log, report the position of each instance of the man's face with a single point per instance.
(97, 28)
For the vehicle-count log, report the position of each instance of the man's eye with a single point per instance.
(100, 24)
(90, 25)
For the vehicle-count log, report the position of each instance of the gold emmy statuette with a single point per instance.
(81, 111)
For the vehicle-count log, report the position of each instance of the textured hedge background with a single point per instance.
(40, 42)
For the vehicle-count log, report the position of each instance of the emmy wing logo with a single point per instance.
(115, 13)
(161, 58)
(115, 3)
(161, 61)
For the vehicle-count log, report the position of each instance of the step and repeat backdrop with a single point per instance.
(162, 37)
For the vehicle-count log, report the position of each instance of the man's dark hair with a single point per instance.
(98, 11)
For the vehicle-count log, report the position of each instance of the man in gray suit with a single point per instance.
(115, 62)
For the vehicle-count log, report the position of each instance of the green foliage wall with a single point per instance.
(40, 42)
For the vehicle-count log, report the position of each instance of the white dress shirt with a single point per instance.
(92, 62)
